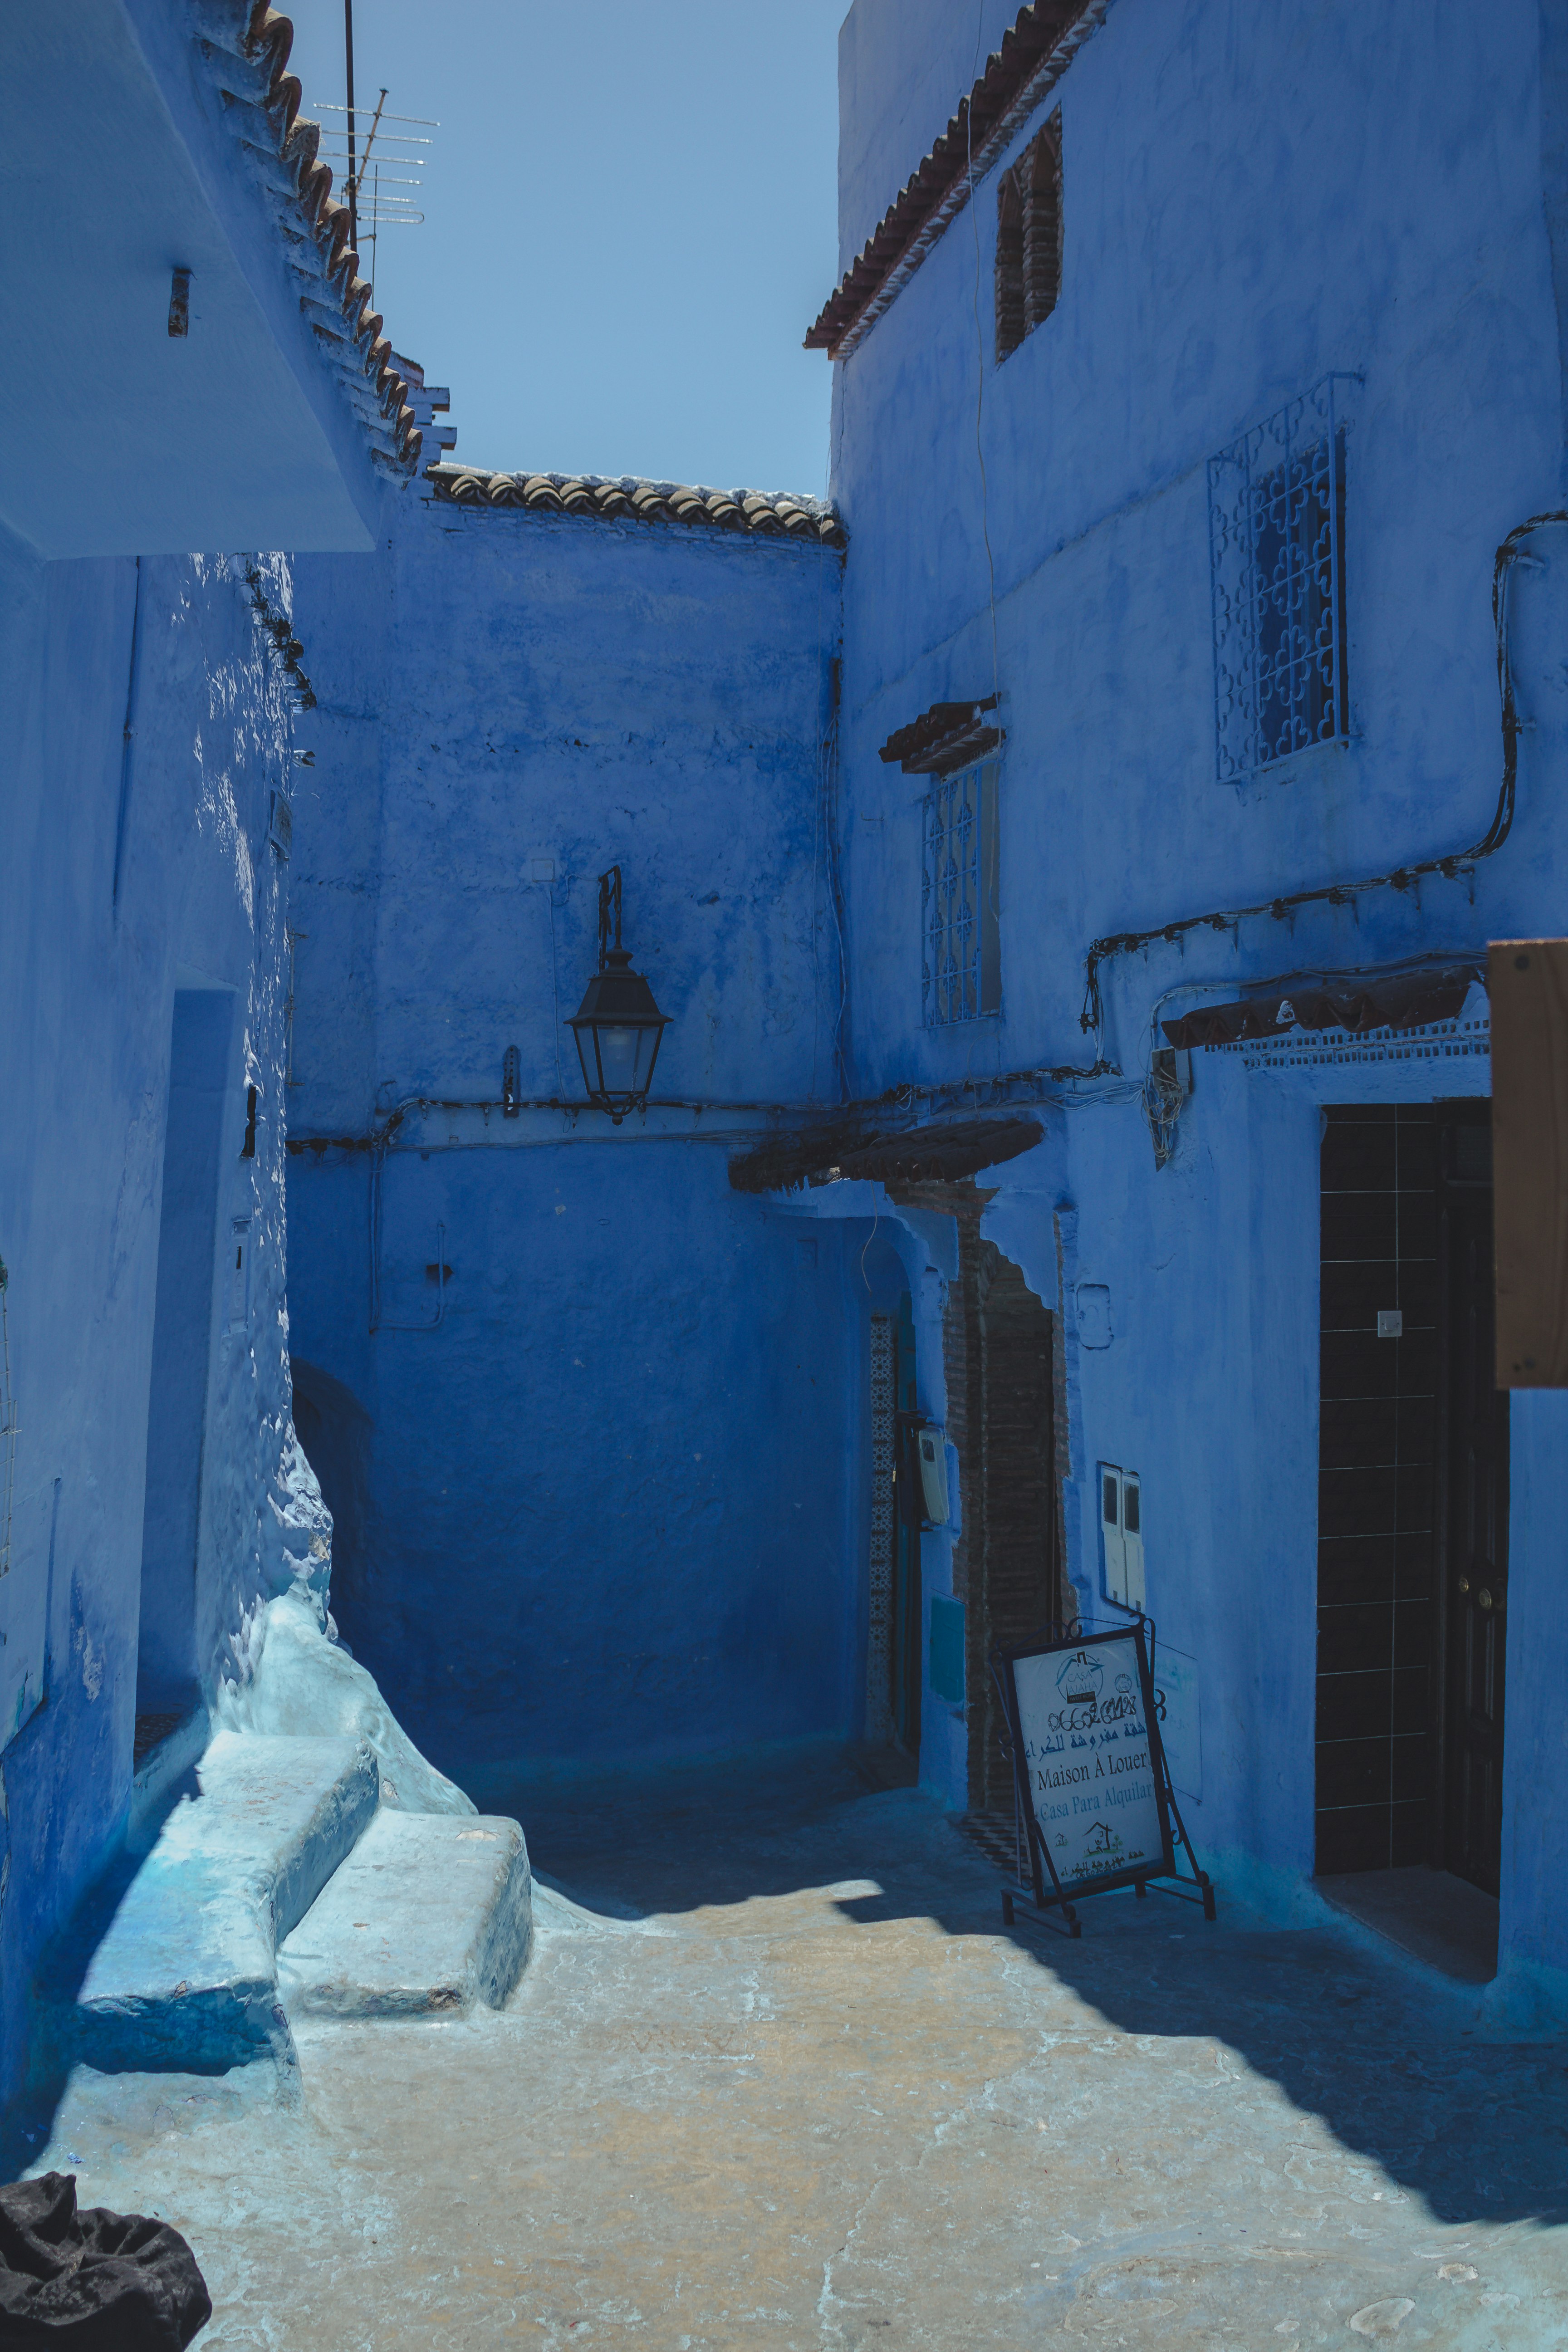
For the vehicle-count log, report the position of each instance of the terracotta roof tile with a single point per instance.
(1035, 52)
(627, 498)
(244, 51)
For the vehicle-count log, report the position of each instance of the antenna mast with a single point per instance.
(353, 187)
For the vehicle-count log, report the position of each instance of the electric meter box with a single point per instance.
(932, 1446)
(1122, 1536)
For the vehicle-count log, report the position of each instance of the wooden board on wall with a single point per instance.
(1528, 982)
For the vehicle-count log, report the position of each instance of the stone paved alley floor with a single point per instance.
(817, 2098)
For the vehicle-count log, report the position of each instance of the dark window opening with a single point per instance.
(1298, 537)
(961, 969)
(1029, 239)
(1276, 553)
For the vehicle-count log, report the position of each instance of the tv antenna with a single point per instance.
(377, 173)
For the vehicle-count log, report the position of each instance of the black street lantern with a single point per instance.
(617, 1025)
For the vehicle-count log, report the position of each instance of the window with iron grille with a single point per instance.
(1276, 556)
(1029, 239)
(961, 975)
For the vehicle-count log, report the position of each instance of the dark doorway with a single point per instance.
(335, 1431)
(999, 1343)
(1412, 1515)
(1002, 1361)
(166, 1668)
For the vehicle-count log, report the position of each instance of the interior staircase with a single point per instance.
(278, 1883)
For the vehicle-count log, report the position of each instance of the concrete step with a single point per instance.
(430, 1913)
(175, 1959)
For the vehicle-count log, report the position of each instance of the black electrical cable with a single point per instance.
(281, 632)
(906, 1097)
(1338, 894)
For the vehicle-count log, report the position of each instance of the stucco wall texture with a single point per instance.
(144, 729)
(594, 1426)
(603, 1506)
(1252, 198)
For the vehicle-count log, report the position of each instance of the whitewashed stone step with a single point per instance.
(430, 1913)
(181, 1944)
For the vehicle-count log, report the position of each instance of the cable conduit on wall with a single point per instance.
(1056, 1083)
(1400, 877)
(377, 1321)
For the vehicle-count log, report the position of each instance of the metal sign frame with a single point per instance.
(1141, 1876)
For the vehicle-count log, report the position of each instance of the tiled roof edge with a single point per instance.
(1035, 52)
(628, 496)
(244, 46)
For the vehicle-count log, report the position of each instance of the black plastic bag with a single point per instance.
(96, 2281)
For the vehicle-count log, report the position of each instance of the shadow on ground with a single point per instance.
(1479, 2131)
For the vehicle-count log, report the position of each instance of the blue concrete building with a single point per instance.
(202, 372)
(577, 1405)
(1075, 946)
(1198, 432)
(1064, 860)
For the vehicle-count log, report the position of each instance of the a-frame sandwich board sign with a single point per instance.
(1093, 1787)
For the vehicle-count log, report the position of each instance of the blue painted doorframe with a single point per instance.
(166, 1672)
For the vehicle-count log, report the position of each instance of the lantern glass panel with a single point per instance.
(620, 1054)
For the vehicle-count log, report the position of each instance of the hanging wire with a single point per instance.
(1454, 865)
(876, 1221)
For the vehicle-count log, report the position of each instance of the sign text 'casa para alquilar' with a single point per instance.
(1094, 1785)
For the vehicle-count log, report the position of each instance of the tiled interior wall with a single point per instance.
(1377, 1450)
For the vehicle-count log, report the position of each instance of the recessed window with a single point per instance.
(1277, 548)
(962, 960)
(1029, 239)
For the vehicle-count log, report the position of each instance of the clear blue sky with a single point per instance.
(630, 224)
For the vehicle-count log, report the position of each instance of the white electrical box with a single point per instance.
(1122, 1536)
(1112, 1548)
(1092, 1300)
(1133, 1537)
(932, 1447)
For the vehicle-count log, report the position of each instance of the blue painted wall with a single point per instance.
(903, 65)
(603, 1488)
(1252, 198)
(135, 874)
(234, 435)
(151, 1495)
(603, 1507)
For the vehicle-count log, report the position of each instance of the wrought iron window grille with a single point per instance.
(961, 973)
(1277, 565)
(1029, 239)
